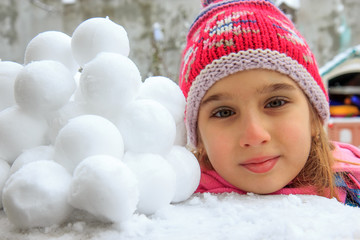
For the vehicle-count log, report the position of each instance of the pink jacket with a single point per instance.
(212, 182)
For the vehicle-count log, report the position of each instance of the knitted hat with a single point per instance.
(235, 35)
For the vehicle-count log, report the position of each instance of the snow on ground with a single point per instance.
(89, 173)
(207, 216)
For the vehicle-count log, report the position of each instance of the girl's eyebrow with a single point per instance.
(276, 87)
(211, 98)
(265, 90)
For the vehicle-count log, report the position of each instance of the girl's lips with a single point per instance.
(260, 165)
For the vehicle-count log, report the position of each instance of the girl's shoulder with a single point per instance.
(349, 157)
(347, 167)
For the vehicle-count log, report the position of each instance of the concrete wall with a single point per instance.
(327, 27)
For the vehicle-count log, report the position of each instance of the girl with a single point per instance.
(256, 107)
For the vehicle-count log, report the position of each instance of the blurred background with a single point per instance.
(157, 31)
(157, 28)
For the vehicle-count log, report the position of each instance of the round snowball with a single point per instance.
(36, 195)
(51, 45)
(109, 82)
(105, 187)
(147, 127)
(8, 73)
(4, 174)
(84, 136)
(166, 92)
(19, 131)
(58, 119)
(181, 135)
(187, 171)
(156, 179)
(97, 35)
(44, 86)
(31, 155)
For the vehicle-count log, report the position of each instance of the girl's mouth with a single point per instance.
(261, 164)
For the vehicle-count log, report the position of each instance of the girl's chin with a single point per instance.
(263, 190)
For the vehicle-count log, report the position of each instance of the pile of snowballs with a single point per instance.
(99, 139)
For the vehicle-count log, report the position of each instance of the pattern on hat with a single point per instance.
(235, 35)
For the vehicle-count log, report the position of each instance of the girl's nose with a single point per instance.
(253, 132)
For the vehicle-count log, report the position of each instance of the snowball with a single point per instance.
(77, 94)
(166, 92)
(32, 155)
(181, 135)
(156, 179)
(58, 119)
(109, 82)
(4, 174)
(104, 186)
(8, 73)
(97, 35)
(44, 86)
(19, 131)
(36, 195)
(187, 171)
(84, 136)
(51, 45)
(147, 127)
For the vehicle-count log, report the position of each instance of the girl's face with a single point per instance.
(255, 128)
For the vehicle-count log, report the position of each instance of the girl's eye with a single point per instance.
(276, 103)
(223, 113)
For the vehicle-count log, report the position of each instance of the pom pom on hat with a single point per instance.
(205, 3)
(235, 35)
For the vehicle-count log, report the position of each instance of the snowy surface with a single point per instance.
(86, 157)
(226, 216)
(64, 139)
(339, 59)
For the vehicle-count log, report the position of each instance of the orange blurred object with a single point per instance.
(344, 111)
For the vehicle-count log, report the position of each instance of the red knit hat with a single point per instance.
(235, 35)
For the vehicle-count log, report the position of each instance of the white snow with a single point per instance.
(214, 217)
(103, 156)
(187, 172)
(156, 178)
(85, 136)
(4, 174)
(8, 72)
(68, 1)
(36, 195)
(147, 127)
(181, 135)
(339, 59)
(32, 155)
(167, 93)
(51, 45)
(43, 86)
(109, 82)
(19, 130)
(97, 35)
(58, 119)
(105, 187)
(157, 32)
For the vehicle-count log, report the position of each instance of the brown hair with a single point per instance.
(318, 169)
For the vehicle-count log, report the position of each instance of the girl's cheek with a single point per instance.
(218, 146)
